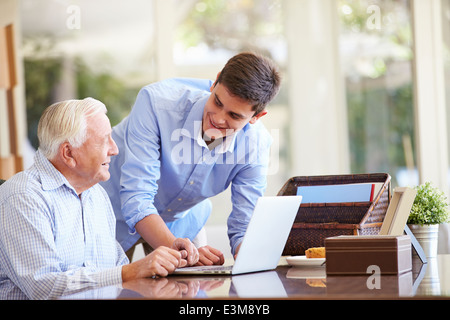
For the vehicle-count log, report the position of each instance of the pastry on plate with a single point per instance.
(318, 252)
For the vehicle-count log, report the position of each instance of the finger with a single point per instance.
(157, 269)
(184, 254)
(161, 271)
(168, 259)
(204, 261)
(174, 258)
(219, 255)
(199, 264)
(194, 256)
(183, 263)
(181, 257)
(215, 256)
(204, 257)
(188, 246)
(222, 259)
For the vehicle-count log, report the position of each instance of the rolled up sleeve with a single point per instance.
(141, 167)
(247, 186)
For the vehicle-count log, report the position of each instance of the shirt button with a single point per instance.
(169, 210)
(191, 182)
(179, 199)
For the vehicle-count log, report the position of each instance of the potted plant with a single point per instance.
(430, 208)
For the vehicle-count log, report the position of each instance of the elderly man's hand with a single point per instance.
(160, 262)
(188, 251)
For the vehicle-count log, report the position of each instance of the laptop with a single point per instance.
(264, 240)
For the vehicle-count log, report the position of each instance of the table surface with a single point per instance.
(430, 280)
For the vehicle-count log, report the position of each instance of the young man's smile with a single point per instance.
(225, 114)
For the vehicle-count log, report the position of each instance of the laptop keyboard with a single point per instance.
(209, 268)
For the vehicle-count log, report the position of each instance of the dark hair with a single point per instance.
(251, 77)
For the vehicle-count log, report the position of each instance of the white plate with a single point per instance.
(303, 261)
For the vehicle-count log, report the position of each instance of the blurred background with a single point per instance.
(366, 83)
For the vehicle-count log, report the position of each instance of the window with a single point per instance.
(10, 159)
(376, 56)
(446, 54)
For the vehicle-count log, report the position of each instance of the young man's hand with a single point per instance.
(188, 251)
(210, 256)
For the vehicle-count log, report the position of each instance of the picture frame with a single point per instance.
(398, 211)
(397, 216)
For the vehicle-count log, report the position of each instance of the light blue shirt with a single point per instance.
(165, 167)
(52, 242)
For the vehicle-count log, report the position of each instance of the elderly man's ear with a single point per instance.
(66, 155)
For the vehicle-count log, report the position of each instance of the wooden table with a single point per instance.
(426, 281)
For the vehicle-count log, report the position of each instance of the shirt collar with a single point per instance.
(51, 178)
(227, 143)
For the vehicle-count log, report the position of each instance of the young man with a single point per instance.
(186, 140)
(57, 232)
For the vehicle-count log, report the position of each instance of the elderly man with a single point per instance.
(57, 232)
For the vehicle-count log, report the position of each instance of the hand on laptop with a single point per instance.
(188, 251)
(160, 262)
(210, 256)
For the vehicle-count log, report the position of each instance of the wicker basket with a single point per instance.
(317, 221)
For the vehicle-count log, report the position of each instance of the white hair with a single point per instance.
(65, 121)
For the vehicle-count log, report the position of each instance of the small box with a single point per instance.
(363, 255)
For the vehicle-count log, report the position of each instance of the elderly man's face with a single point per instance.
(94, 156)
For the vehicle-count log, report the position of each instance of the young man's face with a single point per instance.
(225, 114)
